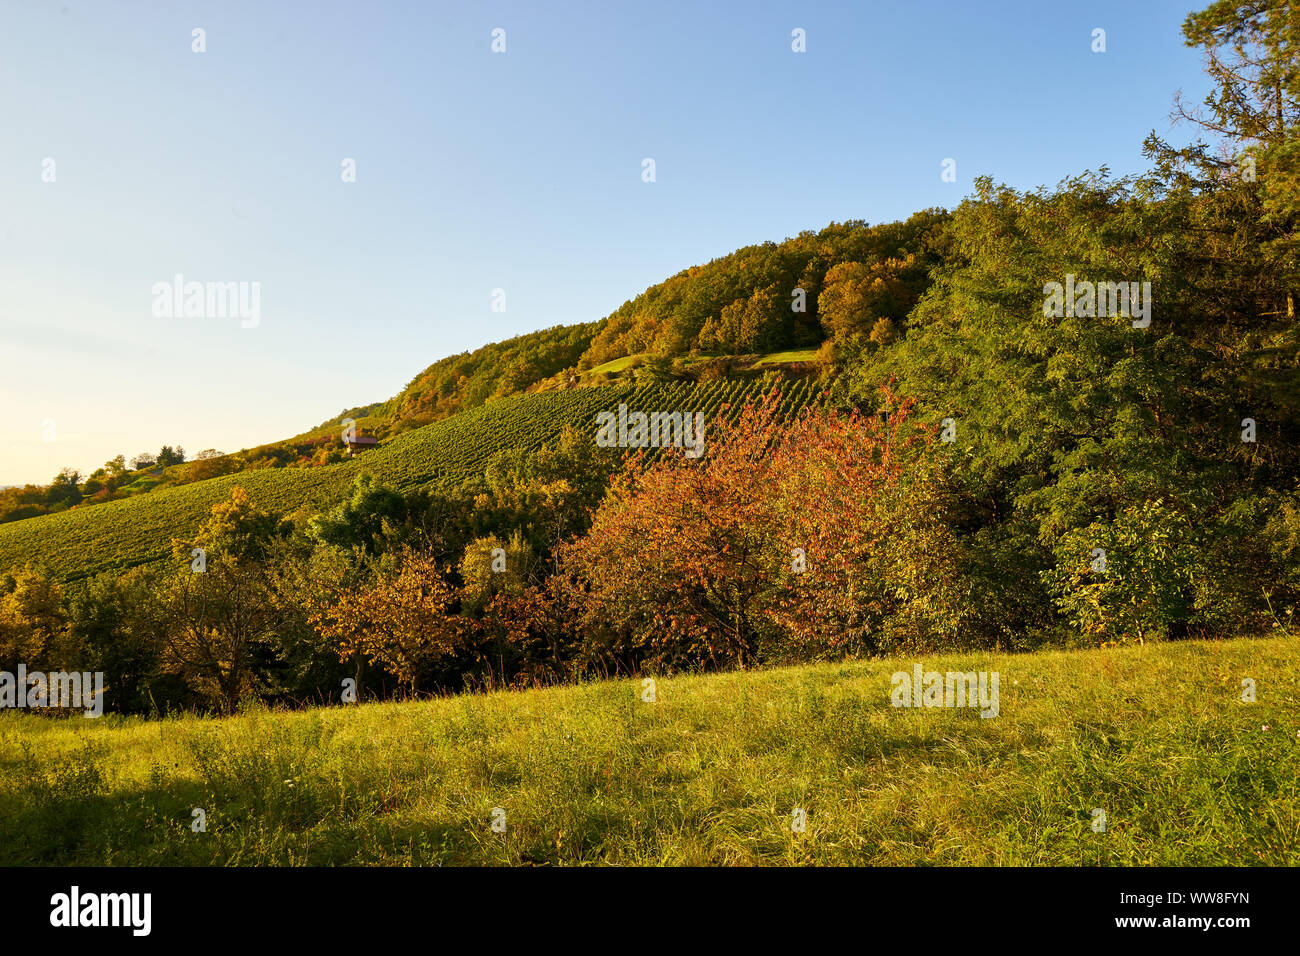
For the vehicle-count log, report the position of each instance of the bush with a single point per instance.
(720, 562)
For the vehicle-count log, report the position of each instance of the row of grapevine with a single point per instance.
(139, 530)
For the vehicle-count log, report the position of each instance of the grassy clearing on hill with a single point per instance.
(615, 365)
(782, 358)
(768, 360)
(1157, 736)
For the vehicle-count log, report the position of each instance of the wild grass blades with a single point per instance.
(1157, 737)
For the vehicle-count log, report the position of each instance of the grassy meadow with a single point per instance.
(709, 773)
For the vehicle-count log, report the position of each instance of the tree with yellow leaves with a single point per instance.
(401, 622)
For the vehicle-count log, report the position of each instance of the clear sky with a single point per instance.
(476, 171)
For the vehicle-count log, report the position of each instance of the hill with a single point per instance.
(139, 530)
(761, 307)
(773, 303)
(760, 299)
(1156, 736)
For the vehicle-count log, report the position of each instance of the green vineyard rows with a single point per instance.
(139, 530)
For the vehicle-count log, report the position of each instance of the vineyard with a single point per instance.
(85, 541)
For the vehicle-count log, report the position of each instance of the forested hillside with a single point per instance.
(837, 282)
(850, 282)
(1068, 416)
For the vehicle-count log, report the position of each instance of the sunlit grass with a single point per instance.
(793, 355)
(615, 365)
(1157, 736)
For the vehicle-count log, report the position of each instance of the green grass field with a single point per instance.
(615, 365)
(769, 360)
(1156, 736)
(781, 358)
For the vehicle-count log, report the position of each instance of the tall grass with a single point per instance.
(1156, 736)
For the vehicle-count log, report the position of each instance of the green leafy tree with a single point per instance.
(64, 491)
(236, 527)
(168, 456)
(367, 519)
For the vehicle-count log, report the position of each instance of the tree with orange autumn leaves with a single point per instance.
(863, 497)
(401, 622)
(816, 537)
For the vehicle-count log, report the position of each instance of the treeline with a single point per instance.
(114, 479)
(828, 535)
(836, 283)
(848, 282)
(995, 466)
(467, 380)
(254, 603)
(559, 563)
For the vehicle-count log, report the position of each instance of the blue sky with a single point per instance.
(476, 171)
